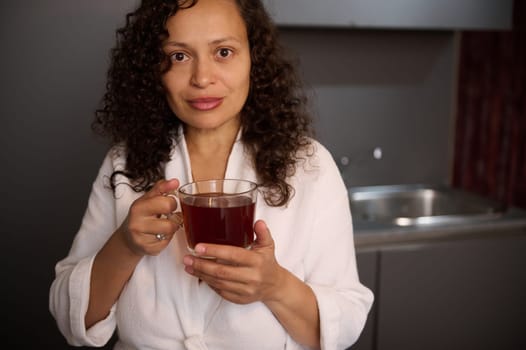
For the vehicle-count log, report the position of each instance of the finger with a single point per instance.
(158, 206)
(168, 189)
(162, 187)
(160, 200)
(154, 226)
(215, 273)
(177, 218)
(158, 237)
(156, 243)
(230, 285)
(229, 290)
(263, 236)
(234, 297)
(228, 254)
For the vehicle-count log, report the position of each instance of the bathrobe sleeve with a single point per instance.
(69, 292)
(330, 262)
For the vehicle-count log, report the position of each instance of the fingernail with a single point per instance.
(188, 261)
(199, 249)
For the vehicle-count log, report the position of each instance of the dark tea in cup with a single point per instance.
(219, 212)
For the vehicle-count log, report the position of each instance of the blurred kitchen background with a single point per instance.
(403, 92)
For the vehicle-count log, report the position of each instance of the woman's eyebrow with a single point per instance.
(221, 40)
(213, 42)
(174, 43)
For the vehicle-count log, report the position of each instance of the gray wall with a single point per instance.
(53, 64)
(388, 89)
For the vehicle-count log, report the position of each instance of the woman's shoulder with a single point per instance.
(114, 159)
(316, 160)
(321, 150)
(316, 153)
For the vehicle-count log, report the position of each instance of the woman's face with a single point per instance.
(208, 81)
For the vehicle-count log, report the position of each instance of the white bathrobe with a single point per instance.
(163, 307)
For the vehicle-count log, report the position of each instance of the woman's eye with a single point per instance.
(178, 56)
(224, 53)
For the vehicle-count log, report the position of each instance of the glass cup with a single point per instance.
(219, 212)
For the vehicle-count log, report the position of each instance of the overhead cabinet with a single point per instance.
(394, 14)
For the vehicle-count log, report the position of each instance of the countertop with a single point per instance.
(373, 234)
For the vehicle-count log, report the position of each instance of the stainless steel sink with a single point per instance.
(419, 204)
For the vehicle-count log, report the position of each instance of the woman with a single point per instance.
(199, 90)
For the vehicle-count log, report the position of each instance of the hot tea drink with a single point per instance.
(219, 212)
(214, 218)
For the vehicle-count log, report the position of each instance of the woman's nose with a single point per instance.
(203, 73)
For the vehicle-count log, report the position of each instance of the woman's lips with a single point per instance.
(205, 103)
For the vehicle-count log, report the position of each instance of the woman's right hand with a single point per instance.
(151, 216)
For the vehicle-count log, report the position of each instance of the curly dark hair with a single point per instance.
(275, 123)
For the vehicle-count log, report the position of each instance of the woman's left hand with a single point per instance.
(239, 275)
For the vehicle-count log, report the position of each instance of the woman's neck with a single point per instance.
(209, 151)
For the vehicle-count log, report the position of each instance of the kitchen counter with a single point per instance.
(369, 235)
